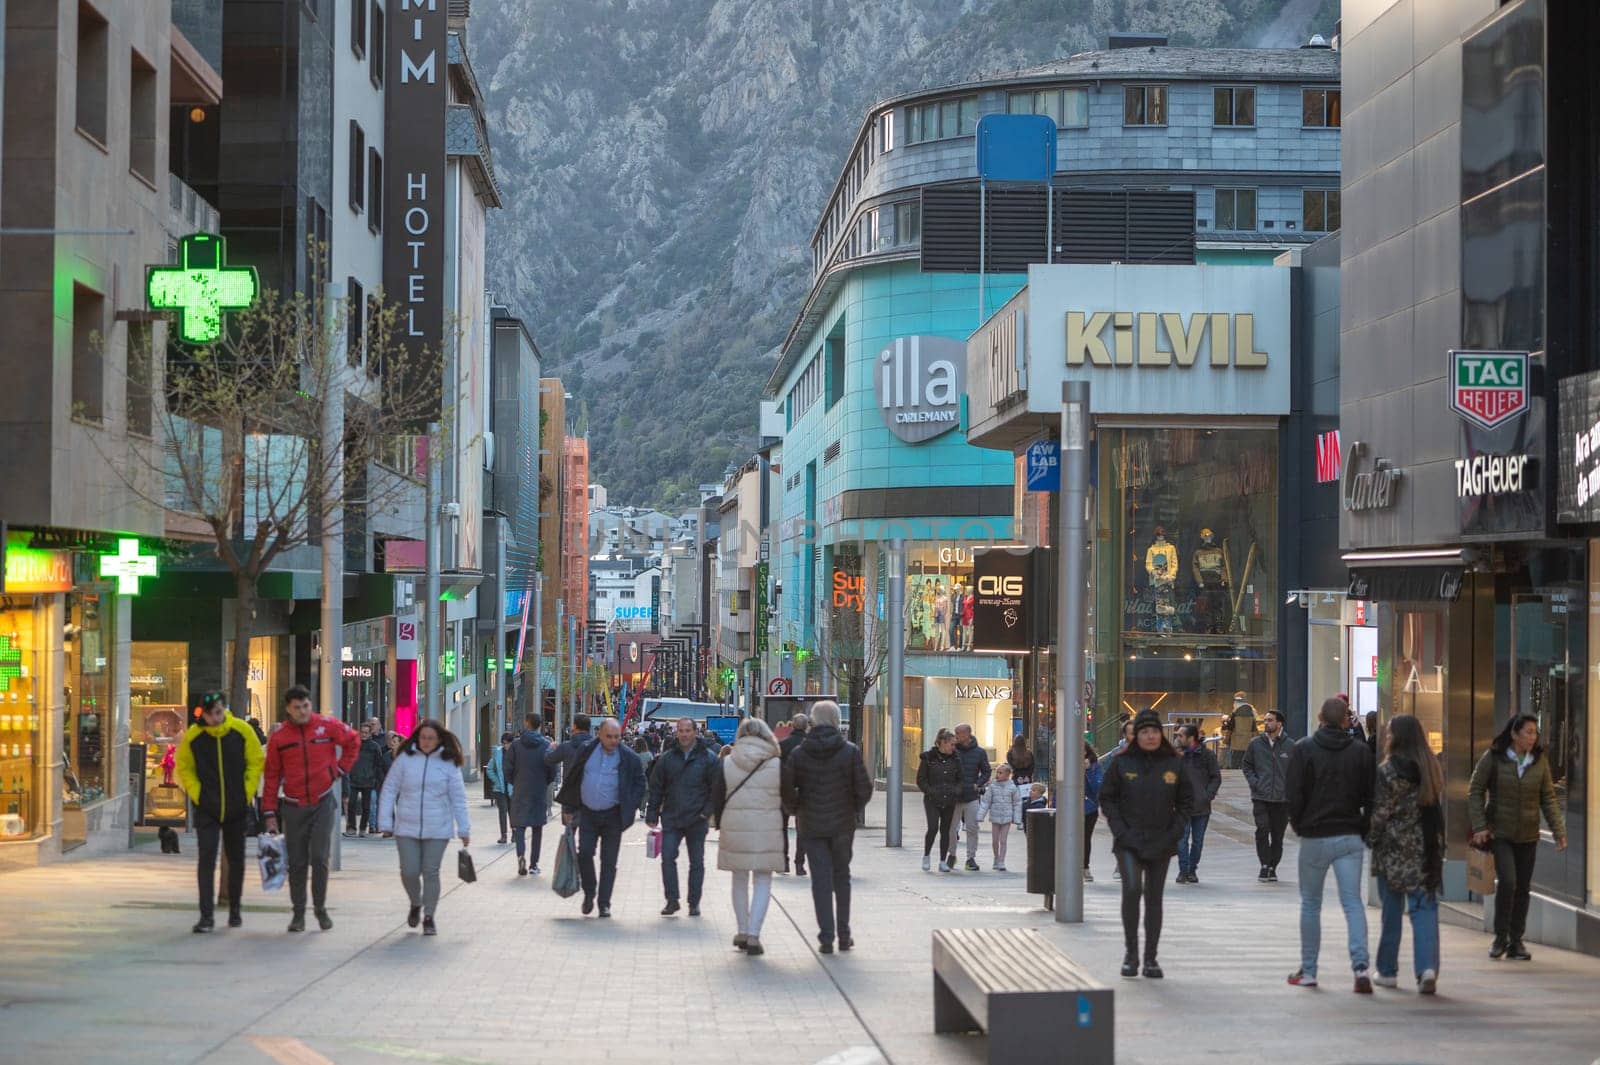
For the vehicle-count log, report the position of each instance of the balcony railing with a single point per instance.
(188, 212)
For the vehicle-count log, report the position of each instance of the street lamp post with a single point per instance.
(895, 814)
(1069, 653)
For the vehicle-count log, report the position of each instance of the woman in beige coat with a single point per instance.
(747, 798)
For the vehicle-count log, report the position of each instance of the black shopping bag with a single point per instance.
(464, 867)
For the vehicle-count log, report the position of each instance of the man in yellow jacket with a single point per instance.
(219, 766)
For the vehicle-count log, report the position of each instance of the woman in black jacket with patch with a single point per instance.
(939, 780)
(1146, 804)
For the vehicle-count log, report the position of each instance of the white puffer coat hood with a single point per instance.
(424, 797)
(751, 835)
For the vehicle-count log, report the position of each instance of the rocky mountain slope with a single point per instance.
(664, 162)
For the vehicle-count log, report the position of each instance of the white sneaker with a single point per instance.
(1386, 981)
(944, 866)
(999, 868)
(1428, 982)
(1088, 877)
(926, 862)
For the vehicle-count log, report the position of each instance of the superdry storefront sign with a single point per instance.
(919, 381)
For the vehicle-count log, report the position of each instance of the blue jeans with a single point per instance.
(1189, 852)
(1344, 855)
(1423, 906)
(695, 837)
(519, 835)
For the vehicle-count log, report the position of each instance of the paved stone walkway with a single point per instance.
(97, 964)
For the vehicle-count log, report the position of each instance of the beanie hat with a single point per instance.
(1146, 719)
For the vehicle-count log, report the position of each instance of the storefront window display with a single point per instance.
(20, 713)
(269, 668)
(934, 703)
(939, 598)
(88, 646)
(1185, 571)
(158, 683)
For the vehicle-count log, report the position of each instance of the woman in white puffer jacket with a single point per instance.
(423, 804)
(748, 799)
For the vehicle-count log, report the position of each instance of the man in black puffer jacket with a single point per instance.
(825, 783)
(799, 725)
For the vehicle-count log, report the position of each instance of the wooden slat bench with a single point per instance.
(1036, 1004)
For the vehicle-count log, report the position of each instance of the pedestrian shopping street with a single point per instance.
(101, 966)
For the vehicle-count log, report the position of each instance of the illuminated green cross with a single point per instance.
(201, 288)
(10, 663)
(127, 566)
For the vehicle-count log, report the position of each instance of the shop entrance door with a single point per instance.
(1543, 684)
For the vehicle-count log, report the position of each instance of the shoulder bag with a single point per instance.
(717, 818)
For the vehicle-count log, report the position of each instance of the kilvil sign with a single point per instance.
(1489, 388)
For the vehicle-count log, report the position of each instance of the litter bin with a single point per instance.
(1042, 854)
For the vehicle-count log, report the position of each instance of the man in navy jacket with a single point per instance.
(603, 791)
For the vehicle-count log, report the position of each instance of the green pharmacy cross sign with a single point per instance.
(127, 566)
(201, 287)
(10, 663)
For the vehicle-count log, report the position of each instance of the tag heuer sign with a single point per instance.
(1489, 388)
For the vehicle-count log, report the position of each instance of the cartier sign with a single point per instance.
(1374, 488)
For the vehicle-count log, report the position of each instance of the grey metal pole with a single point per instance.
(329, 682)
(538, 646)
(555, 658)
(572, 663)
(432, 693)
(1072, 598)
(894, 816)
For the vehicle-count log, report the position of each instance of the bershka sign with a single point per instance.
(414, 200)
(1489, 388)
(1491, 475)
(1000, 604)
(920, 382)
(1374, 489)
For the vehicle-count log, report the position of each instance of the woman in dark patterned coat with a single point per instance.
(1407, 840)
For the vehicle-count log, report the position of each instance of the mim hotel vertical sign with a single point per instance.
(414, 202)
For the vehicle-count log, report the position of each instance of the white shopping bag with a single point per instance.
(274, 867)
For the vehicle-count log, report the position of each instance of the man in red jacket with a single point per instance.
(305, 759)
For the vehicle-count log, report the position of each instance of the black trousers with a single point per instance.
(1272, 819)
(362, 808)
(209, 832)
(1089, 821)
(1144, 881)
(939, 818)
(1513, 872)
(799, 851)
(502, 803)
(830, 883)
(602, 829)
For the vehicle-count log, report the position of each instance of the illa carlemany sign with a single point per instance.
(1489, 388)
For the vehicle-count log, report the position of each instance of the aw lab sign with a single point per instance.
(1489, 388)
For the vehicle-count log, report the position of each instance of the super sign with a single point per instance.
(1489, 388)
